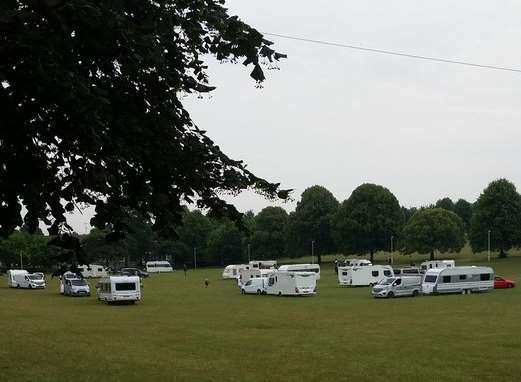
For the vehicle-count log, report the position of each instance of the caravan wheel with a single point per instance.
(280, 293)
(258, 291)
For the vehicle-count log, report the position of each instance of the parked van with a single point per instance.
(398, 286)
(67, 276)
(76, 287)
(255, 286)
(283, 283)
(93, 270)
(232, 271)
(302, 268)
(263, 264)
(364, 275)
(458, 280)
(20, 278)
(247, 274)
(119, 289)
(434, 264)
(158, 267)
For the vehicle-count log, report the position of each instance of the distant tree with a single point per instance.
(269, 240)
(463, 209)
(497, 209)
(224, 245)
(408, 213)
(193, 233)
(312, 221)
(99, 246)
(32, 249)
(366, 221)
(445, 203)
(434, 229)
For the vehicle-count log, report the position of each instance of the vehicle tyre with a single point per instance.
(390, 294)
(415, 293)
(18, 285)
(510, 286)
(30, 286)
(280, 293)
(259, 291)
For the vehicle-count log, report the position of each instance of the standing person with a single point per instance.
(185, 269)
(336, 266)
(206, 283)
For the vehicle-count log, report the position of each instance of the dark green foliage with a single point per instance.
(193, 233)
(434, 229)
(225, 245)
(445, 203)
(463, 209)
(497, 209)
(268, 240)
(366, 221)
(92, 112)
(33, 249)
(312, 220)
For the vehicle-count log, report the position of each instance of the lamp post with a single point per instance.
(392, 249)
(195, 258)
(249, 252)
(312, 251)
(21, 261)
(488, 246)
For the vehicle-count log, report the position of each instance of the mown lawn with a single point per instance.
(182, 331)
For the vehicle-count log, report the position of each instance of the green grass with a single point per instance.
(182, 331)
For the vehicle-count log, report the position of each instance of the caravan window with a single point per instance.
(344, 273)
(375, 273)
(446, 279)
(125, 286)
(484, 276)
(387, 273)
(462, 277)
(100, 269)
(430, 279)
(271, 281)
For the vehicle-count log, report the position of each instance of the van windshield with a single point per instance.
(78, 282)
(34, 277)
(125, 286)
(430, 279)
(387, 281)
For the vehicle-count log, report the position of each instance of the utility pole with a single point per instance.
(21, 260)
(249, 252)
(312, 251)
(392, 250)
(488, 245)
(195, 258)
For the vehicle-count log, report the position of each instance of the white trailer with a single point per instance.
(92, 270)
(263, 264)
(114, 289)
(363, 276)
(158, 267)
(20, 278)
(458, 280)
(437, 264)
(283, 283)
(302, 268)
(232, 271)
(358, 263)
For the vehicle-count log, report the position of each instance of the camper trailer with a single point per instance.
(283, 283)
(158, 267)
(247, 274)
(93, 270)
(232, 271)
(263, 264)
(437, 264)
(114, 289)
(20, 278)
(363, 276)
(458, 280)
(302, 268)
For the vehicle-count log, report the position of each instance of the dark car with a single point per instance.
(133, 272)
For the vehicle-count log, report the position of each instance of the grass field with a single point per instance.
(182, 331)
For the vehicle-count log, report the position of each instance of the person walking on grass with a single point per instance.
(206, 283)
(185, 269)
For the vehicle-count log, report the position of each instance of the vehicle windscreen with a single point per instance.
(387, 281)
(430, 279)
(78, 282)
(34, 277)
(125, 286)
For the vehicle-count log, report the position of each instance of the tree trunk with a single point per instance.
(371, 256)
(502, 254)
(432, 255)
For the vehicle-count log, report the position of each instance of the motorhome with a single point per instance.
(232, 271)
(398, 286)
(247, 274)
(114, 289)
(76, 287)
(20, 278)
(158, 267)
(364, 275)
(263, 264)
(284, 283)
(93, 270)
(436, 264)
(458, 280)
(255, 286)
(302, 268)
(358, 263)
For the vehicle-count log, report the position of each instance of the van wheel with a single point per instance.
(18, 285)
(258, 291)
(390, 294)
(415, 293)
(280, 293)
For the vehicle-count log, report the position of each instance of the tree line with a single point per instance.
(370, 220)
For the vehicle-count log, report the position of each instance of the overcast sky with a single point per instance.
(340, 117)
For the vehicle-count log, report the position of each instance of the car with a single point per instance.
(133, 272)
(254, 286)
(500, 282)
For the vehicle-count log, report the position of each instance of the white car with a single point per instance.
(254, 286)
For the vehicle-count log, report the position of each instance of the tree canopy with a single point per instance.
(366, 221)
(269, 240)
(91, 102)
(434, 229)
(497, 209)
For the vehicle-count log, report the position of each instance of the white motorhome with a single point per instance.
(263, 264)
(458, 280)
(20, 278)
(115, 289)
(232, 271)
(93, 270)
(436, 264)
(364, 275)
(247, 274)
(158, 267)
(302, 268)
(283, 283)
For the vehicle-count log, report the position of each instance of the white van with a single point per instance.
(119, 289)
(20, 278)
(436, 264)
(247, 274)
(398, 286)
(363, 276)
(282, 283)
(232, 271)
(458, 280)
(255, 286)
(76, 287)
(93, 270)
(302, 268)
(67, 276)
(158, 267)
(263, 264)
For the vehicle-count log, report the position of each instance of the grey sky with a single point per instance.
(339, 117)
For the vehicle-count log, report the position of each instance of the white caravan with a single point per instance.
(358, 263)
(119, 289)
(232, 271)
(458, 280)
(263, 264)
(92, 270)
(437, 264)
(247, 274)
(282, 283)
(158, 267)
(20, 278)
(302, 268)
(363, 276)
